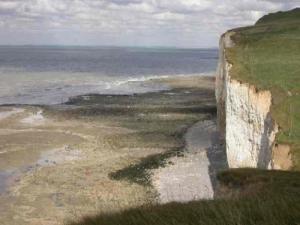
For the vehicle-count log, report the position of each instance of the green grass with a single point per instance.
(281, 17)
(140, 172)
(261, 198)
(268, 56)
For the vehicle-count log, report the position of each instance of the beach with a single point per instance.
(95, 153)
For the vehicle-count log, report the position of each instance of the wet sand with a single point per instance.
(55, 161)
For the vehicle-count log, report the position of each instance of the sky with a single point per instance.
(168, 23)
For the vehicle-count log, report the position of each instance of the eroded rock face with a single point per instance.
(282, 157)
(243, 117)
(250, 130)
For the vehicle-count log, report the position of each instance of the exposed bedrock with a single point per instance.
(245, 121)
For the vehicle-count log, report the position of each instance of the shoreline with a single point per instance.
(129, 86)
(70, 149)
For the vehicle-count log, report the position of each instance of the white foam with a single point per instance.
(60, 88)
(121, 82)
(149, 78)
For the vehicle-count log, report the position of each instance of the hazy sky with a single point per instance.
(180, 23)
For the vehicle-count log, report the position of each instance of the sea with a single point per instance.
(47, 75)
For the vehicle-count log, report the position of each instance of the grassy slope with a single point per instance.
(262, 198)
(268, 56)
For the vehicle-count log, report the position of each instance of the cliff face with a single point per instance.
(244, 119)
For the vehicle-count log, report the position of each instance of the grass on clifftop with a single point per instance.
(268, 56)
(258, 198)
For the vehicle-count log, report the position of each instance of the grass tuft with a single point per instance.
(140, 172)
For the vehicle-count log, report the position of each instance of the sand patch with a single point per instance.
(59, 156)
(282, 157)
(165, 116)
(192, 81)
(35, 119)
(23, 147)
(8, 113)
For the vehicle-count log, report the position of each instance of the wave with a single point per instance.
(60, 90)
(155, 77)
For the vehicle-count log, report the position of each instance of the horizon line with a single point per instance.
(104, 46)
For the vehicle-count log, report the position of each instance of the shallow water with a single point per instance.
(50, 75)
(3, 179)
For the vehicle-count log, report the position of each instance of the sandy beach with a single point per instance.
(63, 156)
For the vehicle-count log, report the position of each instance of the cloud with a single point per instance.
(183, 23)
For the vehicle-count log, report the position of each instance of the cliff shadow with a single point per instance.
(217, 157)
(265, 153)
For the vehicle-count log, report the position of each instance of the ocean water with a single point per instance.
(50, 75)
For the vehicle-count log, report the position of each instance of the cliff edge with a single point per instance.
(257, 92)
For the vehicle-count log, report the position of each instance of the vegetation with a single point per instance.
(268, 56)
(281, 17)
(140, 172)
(260, 198)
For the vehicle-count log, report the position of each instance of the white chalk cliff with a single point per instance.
(244, 118)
